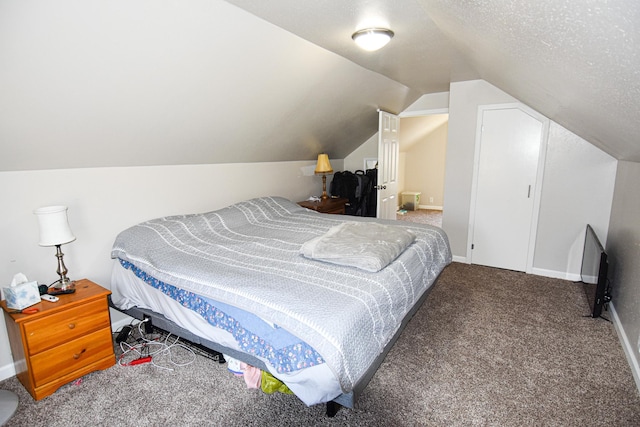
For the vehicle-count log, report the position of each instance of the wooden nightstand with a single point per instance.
(329, 206)
(63, 341)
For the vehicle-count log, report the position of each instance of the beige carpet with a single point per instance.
(489, 348)
(423, 216)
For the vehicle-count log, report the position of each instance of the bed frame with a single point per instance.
(347, 400)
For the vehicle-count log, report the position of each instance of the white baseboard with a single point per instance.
(115, 326)
(556, 274)
(430, 207)
(460, 259)
(120, 319)
(629, 351)
(7, 372)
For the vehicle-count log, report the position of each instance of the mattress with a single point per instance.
(248, 256)
(312, 385)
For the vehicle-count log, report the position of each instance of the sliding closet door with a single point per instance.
(506, 179)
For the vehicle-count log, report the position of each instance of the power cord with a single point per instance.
(149, 350)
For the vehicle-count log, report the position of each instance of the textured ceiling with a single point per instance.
(154, 82)
(419, 56)
(577, 62)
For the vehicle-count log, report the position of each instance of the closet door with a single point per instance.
(507, 172)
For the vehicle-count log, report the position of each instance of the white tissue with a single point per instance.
(19, 279)
(21, 293)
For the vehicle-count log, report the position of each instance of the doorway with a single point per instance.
(423, 144)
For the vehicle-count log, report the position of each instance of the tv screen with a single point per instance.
(594, 272)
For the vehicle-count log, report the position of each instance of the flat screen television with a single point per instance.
(593, 272)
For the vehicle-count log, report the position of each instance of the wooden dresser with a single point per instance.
(63, 341)
(330, 206)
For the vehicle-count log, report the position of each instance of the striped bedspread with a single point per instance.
(248, 255)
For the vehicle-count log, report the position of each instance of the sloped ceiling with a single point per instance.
(416, 129)
(151, 82)
(157, 82)
(576, 62)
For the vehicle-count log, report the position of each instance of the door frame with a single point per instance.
(418, 113)
(425, 113)
(544, 137)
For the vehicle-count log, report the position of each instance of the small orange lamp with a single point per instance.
(323, 167)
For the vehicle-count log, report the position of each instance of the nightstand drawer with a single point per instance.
(66, 325)
(72, 356)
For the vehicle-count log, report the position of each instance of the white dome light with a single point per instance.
(372, 38)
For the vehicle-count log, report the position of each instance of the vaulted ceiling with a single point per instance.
(152, 82)
(577, 62)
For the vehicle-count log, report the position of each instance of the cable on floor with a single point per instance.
(161, 353)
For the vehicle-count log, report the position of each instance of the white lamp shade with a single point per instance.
(54, 226)
(372, 39)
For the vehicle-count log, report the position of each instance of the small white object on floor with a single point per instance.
(8, 405)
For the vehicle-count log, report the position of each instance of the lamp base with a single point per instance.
(65, 284)
(324, 188)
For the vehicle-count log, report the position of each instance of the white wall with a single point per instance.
(623, 247)
(577, 186)
(577, 190)
(430, 103)
(424, 166)
(355, 160)
(104, 201)
(402, 166)
(464, 100)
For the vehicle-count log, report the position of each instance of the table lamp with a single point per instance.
(55, 231)
(323, 167)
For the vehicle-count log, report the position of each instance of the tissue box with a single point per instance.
(22, 296)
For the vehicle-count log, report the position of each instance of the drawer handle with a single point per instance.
(77, 355)
(72, 325)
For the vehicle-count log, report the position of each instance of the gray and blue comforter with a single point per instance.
(248, 255)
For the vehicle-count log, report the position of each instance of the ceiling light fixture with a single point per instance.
(372, 38)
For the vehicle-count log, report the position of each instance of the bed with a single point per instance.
(317, 300)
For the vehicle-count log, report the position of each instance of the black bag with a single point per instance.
(363, 193)
(344, 184)
(372, 197)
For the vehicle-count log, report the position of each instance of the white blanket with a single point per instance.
(368, 246)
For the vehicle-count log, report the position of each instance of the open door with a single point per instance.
(388, 149)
